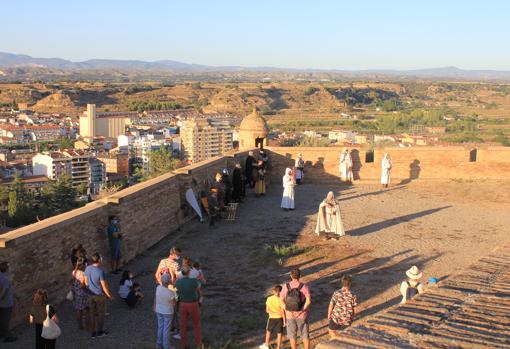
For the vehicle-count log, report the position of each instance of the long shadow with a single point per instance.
(370, 279)
(377, 308)
(373, 193)
(393, 221)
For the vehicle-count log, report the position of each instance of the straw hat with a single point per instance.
(414, 273)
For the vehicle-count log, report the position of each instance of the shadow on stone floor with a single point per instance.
(374, 227)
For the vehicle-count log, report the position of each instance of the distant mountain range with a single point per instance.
(20, 65)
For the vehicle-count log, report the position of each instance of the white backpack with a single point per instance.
(50, 328)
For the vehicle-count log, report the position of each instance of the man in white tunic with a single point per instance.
(386, 170)
(329, 219)
(345, 166)
(299, 167)
(288, 190)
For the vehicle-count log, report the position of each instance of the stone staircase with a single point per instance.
(467, 310)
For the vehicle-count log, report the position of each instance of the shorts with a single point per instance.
(115, 251)
(97, 305)
(297, 327)
(333, 326)
(275, 325)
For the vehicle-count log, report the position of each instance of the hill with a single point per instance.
(24, 67)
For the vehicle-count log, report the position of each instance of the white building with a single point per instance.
(74, 164)
(204, 139)
(339, 135)
(141, 149)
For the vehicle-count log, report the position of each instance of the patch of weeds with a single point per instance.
(246, 323)
(284, 251)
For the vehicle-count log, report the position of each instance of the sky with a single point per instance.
(369, 34)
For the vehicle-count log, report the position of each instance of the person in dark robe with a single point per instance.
(237, 183)
(221, 189)
(227, 182)
(213, 205)
(248, 169)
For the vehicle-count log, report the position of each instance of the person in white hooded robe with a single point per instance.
(288, 190)
(329, 219)
(346, 166)
(386, 170)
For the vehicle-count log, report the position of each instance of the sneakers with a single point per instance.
(177, 336)
(263, 346)
(94, 334)
(102, 334)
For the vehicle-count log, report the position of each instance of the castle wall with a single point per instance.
(408, 163)
(148, 212)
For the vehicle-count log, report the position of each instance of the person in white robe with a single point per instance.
(386, 170)
(329, 219)
(299, 167)
(346, 166)
(288, 190)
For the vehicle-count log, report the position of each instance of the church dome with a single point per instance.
(254, 123)
(253, 129)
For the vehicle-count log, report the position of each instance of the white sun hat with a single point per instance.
(414, 273)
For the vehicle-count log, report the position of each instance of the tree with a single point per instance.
(19, 205)
(64, 143)
(160, 162)
(58, 197)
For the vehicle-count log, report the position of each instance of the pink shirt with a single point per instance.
(306, 293)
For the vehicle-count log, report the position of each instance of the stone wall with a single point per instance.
(408, 163)
(148, 212)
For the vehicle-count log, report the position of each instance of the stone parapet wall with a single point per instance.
(408, 163)
(148, 212)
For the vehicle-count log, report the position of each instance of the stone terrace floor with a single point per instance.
(441, 227)
(469, 310)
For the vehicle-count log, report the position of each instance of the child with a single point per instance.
(276, 320)
(135, 296)
(197, 273)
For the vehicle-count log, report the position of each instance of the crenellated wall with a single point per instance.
(408, 163)
(148, 212)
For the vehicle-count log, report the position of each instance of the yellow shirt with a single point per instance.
(274, 307)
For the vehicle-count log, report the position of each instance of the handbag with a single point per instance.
(70, 296)
(50, 328)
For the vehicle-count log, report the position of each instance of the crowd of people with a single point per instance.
(180, 281)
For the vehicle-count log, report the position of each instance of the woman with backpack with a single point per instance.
(412, 286)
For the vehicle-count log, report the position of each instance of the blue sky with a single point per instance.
(299, 34)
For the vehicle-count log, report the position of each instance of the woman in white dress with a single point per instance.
(345, 166)
(386, 170)
(328, 217)
(288, 190)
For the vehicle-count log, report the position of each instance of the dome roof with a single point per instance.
(254, 122)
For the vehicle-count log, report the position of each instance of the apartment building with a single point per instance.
(77, 165)
(141, 148)
(202, 139)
